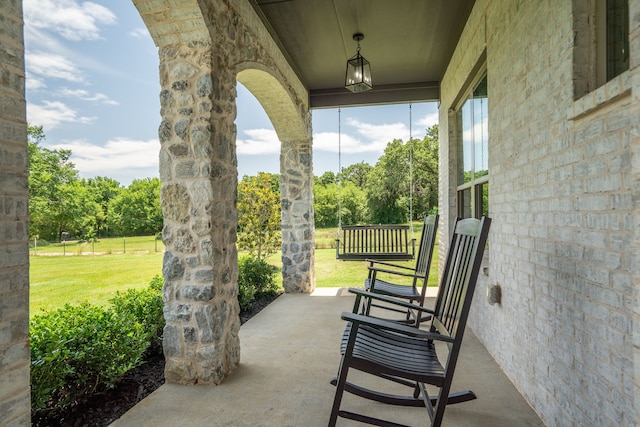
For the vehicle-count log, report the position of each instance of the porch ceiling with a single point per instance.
(408, 43)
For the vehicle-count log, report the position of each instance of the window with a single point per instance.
(612, 39)
(473, 170)
(601, 50)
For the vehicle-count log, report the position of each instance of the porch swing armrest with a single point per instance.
(361, 293)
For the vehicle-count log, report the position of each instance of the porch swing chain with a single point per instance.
(339, 177)
(411, 170)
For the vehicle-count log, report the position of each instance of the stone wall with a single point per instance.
(562, 191)
(15, 409)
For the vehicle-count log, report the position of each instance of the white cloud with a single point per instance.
(359, 137)
(332, 142)
(71, 19)
(380, 135)
(260, 141)
(428, 120)
(42, 64)
(140, 33)
(33, 83)
(52, 114)
(84, 95)
(117, 155)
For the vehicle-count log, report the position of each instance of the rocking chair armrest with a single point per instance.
(378, 323)
(366, 294)
(389, 264)
(398, 273)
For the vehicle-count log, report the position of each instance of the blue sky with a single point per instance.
(92, 83)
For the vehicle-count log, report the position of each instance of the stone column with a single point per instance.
(634, 66)
(296, 189)
(198, 169)
(15, 408)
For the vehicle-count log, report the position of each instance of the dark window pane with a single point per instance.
(617, 37)
(464, 203)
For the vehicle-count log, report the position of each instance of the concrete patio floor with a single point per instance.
(290, 351)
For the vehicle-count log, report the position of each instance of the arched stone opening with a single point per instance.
(203, 50)
(293, 126)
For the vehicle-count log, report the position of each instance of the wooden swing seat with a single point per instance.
(381, 242)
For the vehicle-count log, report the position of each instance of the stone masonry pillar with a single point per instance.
(198, 169)
(296, 189)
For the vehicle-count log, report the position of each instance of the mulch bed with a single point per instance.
(104, 408)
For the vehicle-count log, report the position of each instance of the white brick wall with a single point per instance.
(14, 252)
(563, 241)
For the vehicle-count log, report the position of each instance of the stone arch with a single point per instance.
(173, 21)
(204, 48)
(291, 121)
(276, 101)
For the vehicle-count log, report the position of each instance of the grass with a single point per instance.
(56, 279)
(110, 245)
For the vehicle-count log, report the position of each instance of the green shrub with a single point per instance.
(145, 306)
(246, 296)
(78, 350)
(255, 279)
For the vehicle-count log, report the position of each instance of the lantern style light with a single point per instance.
(358, 77)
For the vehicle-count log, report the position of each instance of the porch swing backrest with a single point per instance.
(382, 242)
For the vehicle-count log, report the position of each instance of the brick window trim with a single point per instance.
(615, 89)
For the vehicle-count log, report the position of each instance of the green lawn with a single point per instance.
(110, 245)
(56, 280)
(81, 276)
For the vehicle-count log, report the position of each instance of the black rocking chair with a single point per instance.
(381, 272)
(407, 354)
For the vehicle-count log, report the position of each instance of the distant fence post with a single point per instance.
(124, 244)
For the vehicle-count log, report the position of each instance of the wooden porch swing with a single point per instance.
(383, 242)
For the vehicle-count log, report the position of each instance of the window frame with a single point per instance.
(475, 185)
(595, 61)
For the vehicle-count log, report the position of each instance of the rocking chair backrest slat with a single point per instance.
(426, 244)
(460, 272)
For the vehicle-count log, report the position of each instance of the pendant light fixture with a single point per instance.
(358, 77)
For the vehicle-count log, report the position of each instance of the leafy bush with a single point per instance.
(246, 296)
(145, 306)
(79, 350)
(255, 279)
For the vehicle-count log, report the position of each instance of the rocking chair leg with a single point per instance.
(340, 383)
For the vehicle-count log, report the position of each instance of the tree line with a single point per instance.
(63, 205)
(404, 181)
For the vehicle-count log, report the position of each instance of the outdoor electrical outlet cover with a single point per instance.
(494, 294)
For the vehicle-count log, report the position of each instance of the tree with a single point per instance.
(259, 229)
(356, 173)
(346, 198)
(402, 165)
(56, 202)
(425, 173)
(388, 184)
(104, 190)
(136, 210)
(326, 179)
